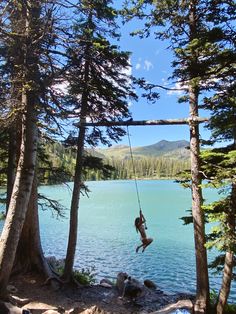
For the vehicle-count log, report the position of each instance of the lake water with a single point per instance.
(107, 238)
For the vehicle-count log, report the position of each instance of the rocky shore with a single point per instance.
(126, 296)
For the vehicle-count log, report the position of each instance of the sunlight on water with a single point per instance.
(107, 238)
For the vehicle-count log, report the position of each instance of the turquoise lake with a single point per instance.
(107, 238)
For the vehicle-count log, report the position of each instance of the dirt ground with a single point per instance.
(31, 293)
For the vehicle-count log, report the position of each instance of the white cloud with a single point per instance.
(178, 89)
(138, 66)
(148, 65)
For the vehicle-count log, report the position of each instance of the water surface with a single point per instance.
(107, 238)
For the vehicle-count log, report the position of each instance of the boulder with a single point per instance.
(106, 283)
(19, 301)
(120, 281)
(12, 289)
(8, 308)
(132, 290)
(129, 287)
(149, 284)
(94, 310)
(180, 307)
(56, 263)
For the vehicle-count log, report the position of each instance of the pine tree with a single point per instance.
(26, 39)
(28, 75)
(99, 89)
(219, 164)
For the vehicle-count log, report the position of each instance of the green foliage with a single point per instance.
(205, 61)
(85, 277)
(2, 216)
(230, 309)
(97, 71)
(213, 297)
(147, 167)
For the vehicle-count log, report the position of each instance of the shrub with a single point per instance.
(85, 276)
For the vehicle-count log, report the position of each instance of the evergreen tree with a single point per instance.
(185, 24)
(28, 75)
(219, 163)
(26, 39)
(99, 88)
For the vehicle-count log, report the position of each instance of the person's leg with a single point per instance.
(147, 243)
(138, 247)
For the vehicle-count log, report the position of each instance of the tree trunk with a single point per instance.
(226, 282)
(29, 137)
(72, 241)
(11, 166)
(29, 255)
(71, 247)
(20, 194)
(229, 256)
(202, 293)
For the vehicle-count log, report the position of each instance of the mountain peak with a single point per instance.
(171, 149)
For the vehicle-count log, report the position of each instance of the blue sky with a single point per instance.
(151, 59)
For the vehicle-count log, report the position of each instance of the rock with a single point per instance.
(51, 312)
(76, 310)
(56, 263)
(182, 306)
(19, 301)
(12, 289)
(107, 281)
(105, 285)
(3, 308)
(95, 310)
(129, 287)
(120, 281)
(132, 288)
(8, 308)
(150, 284)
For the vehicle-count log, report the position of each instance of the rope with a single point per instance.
(132, 160)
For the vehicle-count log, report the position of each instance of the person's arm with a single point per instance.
(142, 219)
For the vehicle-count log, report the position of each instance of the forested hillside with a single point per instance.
(172, 149)
(161, 160)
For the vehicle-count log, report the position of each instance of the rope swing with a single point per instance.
(134, 171)
(140, 222)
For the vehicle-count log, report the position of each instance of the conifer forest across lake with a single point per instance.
(107, 238)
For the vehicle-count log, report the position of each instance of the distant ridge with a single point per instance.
(163, 148)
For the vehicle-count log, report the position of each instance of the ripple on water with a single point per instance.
(107, 238)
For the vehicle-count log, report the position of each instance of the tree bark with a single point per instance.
(29, 255)
(11, 166)
(226, 282)
(229, 255)
(29, 137)
(20, 194)
(143, 122)
(202, 293)
(72, 241)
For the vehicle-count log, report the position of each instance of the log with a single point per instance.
(143, 122)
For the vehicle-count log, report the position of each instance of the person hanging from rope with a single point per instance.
(140, 227)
